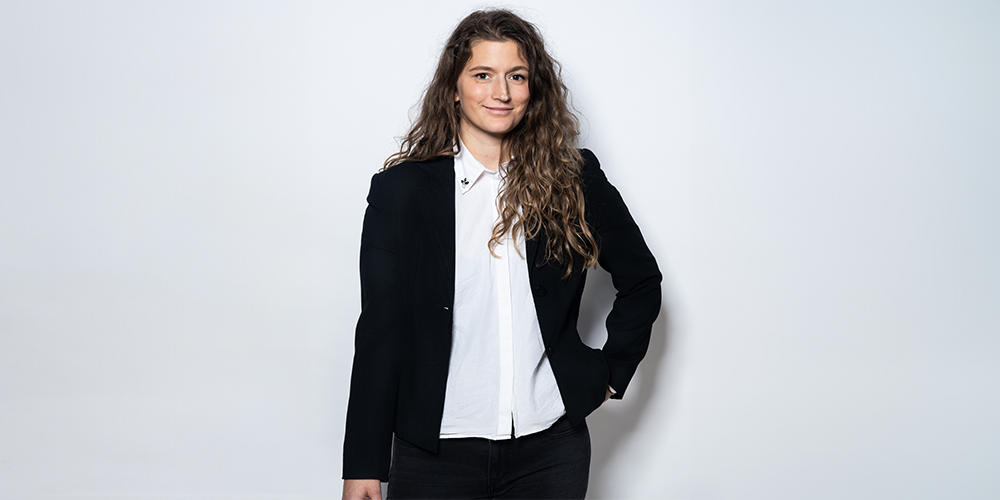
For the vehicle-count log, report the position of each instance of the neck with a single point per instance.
(484, 149)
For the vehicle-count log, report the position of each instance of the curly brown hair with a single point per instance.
(542, 192)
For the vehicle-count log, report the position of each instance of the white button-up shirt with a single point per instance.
(499, 378)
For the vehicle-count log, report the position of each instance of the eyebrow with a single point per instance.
(487, 68)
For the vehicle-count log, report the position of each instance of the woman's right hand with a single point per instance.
(362, 489)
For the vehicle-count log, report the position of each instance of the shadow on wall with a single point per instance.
(612, 426)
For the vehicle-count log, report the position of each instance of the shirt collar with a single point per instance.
(468, 170)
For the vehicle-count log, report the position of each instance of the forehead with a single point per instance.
(507, 52)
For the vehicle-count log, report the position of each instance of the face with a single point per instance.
(492, 91)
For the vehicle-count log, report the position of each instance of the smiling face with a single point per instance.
(492, 91)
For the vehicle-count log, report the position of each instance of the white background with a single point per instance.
(181, 193)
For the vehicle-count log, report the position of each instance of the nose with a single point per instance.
(500, 90)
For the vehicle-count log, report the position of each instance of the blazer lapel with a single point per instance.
(531, 247)
(439, 209)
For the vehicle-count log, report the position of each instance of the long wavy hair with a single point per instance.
(542, 191)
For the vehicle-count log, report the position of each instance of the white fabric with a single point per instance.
(498, 375)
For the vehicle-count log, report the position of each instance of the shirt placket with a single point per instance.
(506, 332)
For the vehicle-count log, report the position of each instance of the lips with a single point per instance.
(499, 111)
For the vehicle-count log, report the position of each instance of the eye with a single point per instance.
(518, 77)
(481, 76)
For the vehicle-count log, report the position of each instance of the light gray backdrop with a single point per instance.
(181, 193)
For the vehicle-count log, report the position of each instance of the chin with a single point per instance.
(504, 128)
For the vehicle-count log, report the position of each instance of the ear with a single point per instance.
(456, 97)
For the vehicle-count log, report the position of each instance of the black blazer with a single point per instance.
(403, 338)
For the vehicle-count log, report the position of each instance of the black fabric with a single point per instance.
(554, 463)
(403, 336)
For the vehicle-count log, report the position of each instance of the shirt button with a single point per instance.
(540, 291)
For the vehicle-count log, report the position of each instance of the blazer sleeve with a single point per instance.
(374, 381)
(634, 274)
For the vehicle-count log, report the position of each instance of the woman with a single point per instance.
(469, 378)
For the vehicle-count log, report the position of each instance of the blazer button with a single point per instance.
(540, 291)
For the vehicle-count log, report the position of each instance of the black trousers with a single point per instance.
(554, 463)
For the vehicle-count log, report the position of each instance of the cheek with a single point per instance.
(524, 96)
(469, 93)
